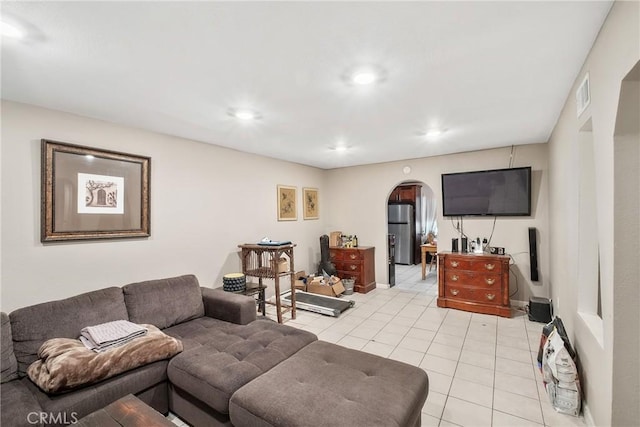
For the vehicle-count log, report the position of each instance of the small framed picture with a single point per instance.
(287, 205)
(310, 203)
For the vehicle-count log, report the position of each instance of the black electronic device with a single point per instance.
(498, 192)
(539, 310)
(533, 253)
(464, 245)
(496, 250)
(454, 245)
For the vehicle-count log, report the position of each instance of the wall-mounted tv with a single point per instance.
(498, 192)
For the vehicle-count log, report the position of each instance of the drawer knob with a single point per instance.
(454, 263)
(490, 281)
(491, 297)
(353, 267)
(352, 256)
(454, 292)
(489, 266)
(454, 278)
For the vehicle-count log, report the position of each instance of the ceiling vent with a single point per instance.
(583, 96)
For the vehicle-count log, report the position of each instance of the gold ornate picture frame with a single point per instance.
(310, 207)
(88, 193)
(287, 203)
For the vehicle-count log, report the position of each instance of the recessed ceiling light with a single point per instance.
(364, 77)
(340, 148)
(244, 114)
(9, 30)
(433, 133)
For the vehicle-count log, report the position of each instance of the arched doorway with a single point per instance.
(411, 220)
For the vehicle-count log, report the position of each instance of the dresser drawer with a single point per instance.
(471, 278)
(455, 263)
(352, 255)
(346, 255)
(485, 265)
(463, 293)
(349, 266)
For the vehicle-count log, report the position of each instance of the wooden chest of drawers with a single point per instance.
(356, 263)
(474, 282)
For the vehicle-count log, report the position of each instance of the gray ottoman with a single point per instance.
(328, 385)
(229, 357)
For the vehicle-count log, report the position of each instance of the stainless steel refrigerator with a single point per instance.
(402, 224)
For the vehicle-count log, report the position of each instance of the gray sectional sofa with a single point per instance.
(235, 369)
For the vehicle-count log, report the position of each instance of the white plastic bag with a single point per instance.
(560, 376)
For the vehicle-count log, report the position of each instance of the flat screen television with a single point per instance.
(498, 192)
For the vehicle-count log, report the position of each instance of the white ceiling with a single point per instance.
(492, 73)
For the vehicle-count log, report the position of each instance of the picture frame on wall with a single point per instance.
(89, 193)
(287, 203)
(310, 207)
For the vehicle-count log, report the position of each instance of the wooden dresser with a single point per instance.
(356, 263)
(474, 282)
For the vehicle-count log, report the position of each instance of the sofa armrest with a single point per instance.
(19, 406)
(227, 306)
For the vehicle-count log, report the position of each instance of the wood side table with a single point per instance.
(128, 411)
(262, 262)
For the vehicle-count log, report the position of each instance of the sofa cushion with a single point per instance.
(19, 406)
(66, 363)
(325, 384)
(164, 302)
(32, 326)
(8, 363)
(219, 360)
(227, 306)
(82, 401)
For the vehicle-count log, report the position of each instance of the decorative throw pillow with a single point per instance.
(65, 363)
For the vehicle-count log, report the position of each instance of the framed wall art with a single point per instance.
(310, 203)
(89, 193)
(287, 205)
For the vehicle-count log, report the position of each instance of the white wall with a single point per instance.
(205, 200)
(615, 52)
(626, 341)
(357, 199)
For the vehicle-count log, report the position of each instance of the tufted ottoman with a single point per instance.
(328, 385)
(219, 359)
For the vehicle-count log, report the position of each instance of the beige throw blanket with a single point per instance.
(111, 334)
(66, 363)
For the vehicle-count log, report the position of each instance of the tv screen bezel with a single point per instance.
(442, 178)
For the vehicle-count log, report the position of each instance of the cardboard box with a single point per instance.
(299, 283)
(282, 265)
(333, 289)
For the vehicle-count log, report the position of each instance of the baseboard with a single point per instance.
(382, 285)
(586, 413)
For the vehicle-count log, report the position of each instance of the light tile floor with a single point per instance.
(482, 369)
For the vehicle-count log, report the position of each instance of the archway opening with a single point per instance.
(411, 222)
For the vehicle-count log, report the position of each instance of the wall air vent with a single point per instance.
(583, 95)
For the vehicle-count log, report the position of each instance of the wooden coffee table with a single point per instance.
(128, 411)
